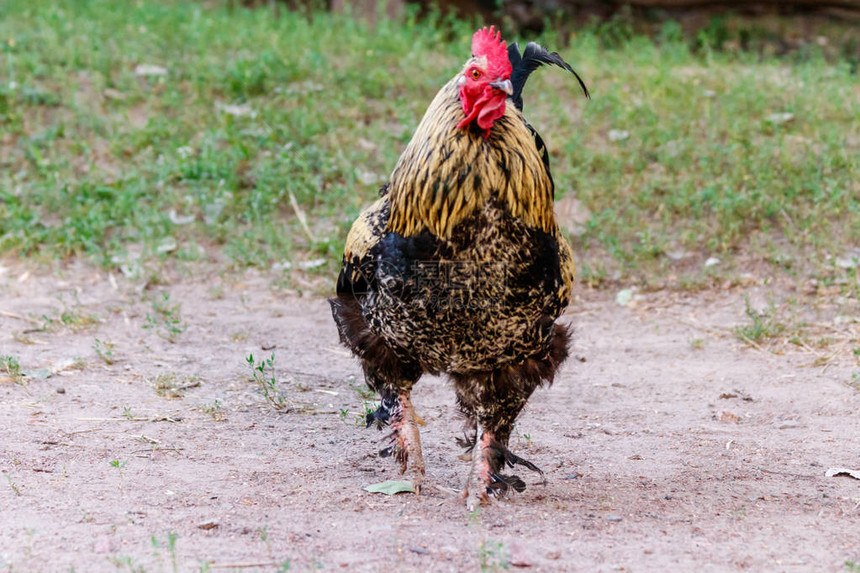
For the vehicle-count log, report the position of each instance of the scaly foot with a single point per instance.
(475, 490)
(406, 448)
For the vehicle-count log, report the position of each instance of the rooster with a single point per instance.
(459, 268)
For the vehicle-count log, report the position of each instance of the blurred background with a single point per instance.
(722, 143)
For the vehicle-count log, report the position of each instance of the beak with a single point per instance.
(504, 85)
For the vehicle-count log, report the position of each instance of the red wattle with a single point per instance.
(490, 112)
(484, 110)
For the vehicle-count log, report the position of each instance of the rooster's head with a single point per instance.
(485, 82)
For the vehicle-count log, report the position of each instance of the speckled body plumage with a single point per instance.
(462, 247)
(459, 268)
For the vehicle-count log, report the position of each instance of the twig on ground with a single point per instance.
(19, 317)
(244, 565)
(132, 419)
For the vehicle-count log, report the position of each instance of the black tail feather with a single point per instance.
(532, 58)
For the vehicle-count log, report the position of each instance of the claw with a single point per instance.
(512, 460)
(489, 457)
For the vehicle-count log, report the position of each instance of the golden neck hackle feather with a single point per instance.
(447, 174)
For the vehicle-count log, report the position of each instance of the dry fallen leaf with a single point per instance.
(390, 487)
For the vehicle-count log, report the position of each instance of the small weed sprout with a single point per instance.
(166, 319)
(171, 549)
(361, 419)
(10, 366)
(166, 385)
(104, 349)
(493, 556)
(264, 375)
(71, 317)
(119, 467)
(124, 561)
(214, 410)
(367, 403)
(264, 537)
(75, 320)
(697, 343)
(521, 437)
(169, 385)
(12, 485)
(764, 324)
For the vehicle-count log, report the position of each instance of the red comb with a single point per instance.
(489, 43)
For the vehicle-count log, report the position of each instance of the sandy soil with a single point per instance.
(667, 444)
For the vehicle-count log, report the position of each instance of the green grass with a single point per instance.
(166, 318)
(257, 112)
(10, 366)
(763, 324)
(263, 373)
(493, 556)
(104, 349)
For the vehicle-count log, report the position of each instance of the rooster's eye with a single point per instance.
(475, 74)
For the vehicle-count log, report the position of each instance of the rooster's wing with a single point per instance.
(358, 274)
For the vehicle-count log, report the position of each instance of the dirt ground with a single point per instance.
(667, 444)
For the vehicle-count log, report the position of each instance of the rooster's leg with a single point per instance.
(475, 490)
(495, 411)
(406, 446)
(489, 458)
